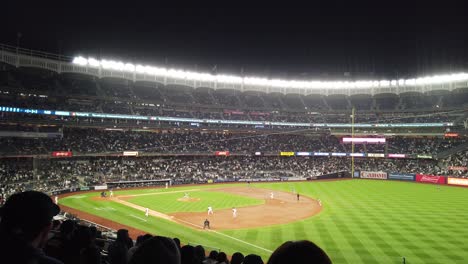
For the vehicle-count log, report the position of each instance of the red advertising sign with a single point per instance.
(61, 154)
(451, 134)
(457, 181)
(430, 179)
(222, 153)
(458, 168)
(374, 175)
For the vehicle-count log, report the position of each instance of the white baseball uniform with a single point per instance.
(147, 212)
(210, 210)
(234, 212)
(56, 199)
(111, 193)
(272, 195)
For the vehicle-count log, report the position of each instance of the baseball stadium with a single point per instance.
(366, 186)
(134, 160)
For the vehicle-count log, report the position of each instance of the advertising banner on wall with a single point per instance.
(430, 179)
(222, 153)
(374, 175)
(286, 153)
(375, 155)
(401, 176)
(457, 168)
(62, 154)
(130, 153)
(457, 181)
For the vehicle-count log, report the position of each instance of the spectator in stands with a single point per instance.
(26, 219)
(237, 258)
(254, 259)
(211, 259)
(177, 241)
(118, 249)
(90, 253)
(299, 252)
(157, 249)
(187, 255)
(139, 241)
(200, 254)
(222, 258)
(62, 245)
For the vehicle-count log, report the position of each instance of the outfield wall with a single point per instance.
(415, 177)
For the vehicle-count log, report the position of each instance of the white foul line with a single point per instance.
(134, 216)
(231, 237)
(164, 216)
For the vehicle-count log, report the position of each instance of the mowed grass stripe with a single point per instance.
(389, 219)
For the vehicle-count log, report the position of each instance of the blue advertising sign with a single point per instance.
(401, 176)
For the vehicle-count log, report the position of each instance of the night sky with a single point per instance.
(321, 41)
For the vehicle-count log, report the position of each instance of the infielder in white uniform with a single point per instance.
(210, 210)
(111, 193)
(146, 212)
(234, 212)
(319, 202)
(272, 195)
(167, 185)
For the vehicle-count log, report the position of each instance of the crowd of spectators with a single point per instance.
(58, 174)
(89, 140)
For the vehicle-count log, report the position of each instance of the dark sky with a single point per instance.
(390, 40)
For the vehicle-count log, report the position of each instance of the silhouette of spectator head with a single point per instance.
(213, 255)
(157, 249)
(187, 254)
(200, 253)
(222, 258)
(297, 252)
(253, 259)
(237, 258)
(177, 241)
(27, 216)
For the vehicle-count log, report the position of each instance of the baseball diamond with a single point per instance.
(359, 221)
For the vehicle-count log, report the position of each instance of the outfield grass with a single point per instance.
(363, 221)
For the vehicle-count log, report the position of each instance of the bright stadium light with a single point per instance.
(93, 62)
(261, 81)
(80, 61)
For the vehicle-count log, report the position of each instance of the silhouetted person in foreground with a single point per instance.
(237, 258)
(26, 219)
(118, 249)
(299, 252)
(161, 250)
(253, 259)
(211, 259)
(222, 258)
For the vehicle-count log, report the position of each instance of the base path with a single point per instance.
(283, 208)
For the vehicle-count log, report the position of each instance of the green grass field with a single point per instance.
(362, 221)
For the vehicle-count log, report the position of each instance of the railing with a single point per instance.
(34, 53)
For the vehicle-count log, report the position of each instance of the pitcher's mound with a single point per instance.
(188, 199)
